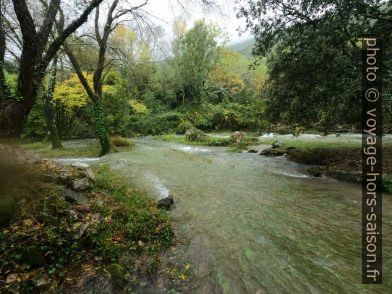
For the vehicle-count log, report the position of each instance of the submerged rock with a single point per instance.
(165, 202)
(317, 171)
(273, 152)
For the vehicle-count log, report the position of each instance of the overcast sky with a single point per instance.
(166, 11)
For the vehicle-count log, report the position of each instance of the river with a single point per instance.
(257, 224)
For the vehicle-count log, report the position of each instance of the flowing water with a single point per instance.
(257, 224)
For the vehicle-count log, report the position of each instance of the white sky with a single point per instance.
(166, 11)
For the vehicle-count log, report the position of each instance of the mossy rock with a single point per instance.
(7, 210)
(195, 134)
(117, 272)
(30, 255)
(273, 152)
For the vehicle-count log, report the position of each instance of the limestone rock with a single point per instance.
(81, 184)
(73, 197)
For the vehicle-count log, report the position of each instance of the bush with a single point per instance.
(183, 126)
(195, 134)
(119, 141)
(155, 124)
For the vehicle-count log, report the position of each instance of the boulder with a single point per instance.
(81, 184)
(89, 174)
(73, 197)
(317, 171)
(165, 202)
(276, 144)
(238, 136)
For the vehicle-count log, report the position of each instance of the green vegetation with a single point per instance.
(313, 51)
(312, 144)
(196, 137)
(141, 97)
(138, 219)
(49, 238)
(119, 141)
(45, 149)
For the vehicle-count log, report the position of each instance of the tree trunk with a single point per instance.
(51, 123)
(101, 130)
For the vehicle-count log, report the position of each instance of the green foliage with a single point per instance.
(159, 123)
(35, 126)
(183, 126)
(138, 107)
(143, 221)
(196, 53)
(313, 50)
(199, 138)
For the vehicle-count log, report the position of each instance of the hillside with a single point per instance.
(244, 47)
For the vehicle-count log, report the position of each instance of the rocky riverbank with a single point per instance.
(68, 229)
(342, 163)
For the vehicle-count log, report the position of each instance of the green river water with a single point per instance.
(257, 224)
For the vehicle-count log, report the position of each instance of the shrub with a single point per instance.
(195, 134)
(155, 124)
(119, 141)
(183, 126)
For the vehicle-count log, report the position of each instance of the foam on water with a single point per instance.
(160, 188)
(81, 162)
(191, 149)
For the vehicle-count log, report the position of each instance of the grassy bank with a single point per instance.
(341, 160)
(208, 140)
(90, 148)
(56, 238)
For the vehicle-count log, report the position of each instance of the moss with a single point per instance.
(117, 271)
(30, 255)
(101, 129)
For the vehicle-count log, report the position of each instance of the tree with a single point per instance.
(196, 53)
(94, 92)
(37, 52)
(48, 93)
(315, 56)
